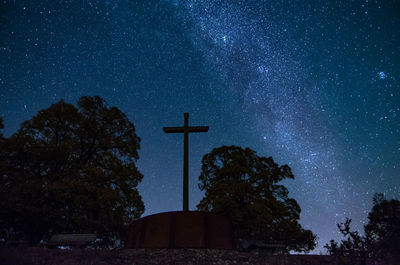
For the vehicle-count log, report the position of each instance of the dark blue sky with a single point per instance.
(314, 84)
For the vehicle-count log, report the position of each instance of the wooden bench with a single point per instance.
(71, 240)
(258, 245)
(16, 243)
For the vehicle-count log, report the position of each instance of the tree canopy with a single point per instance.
(1, 125)
(71, 170)
(381, 237)
(245, 187)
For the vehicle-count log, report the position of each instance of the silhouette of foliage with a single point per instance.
(381, 238)
(1, 135)
(71, 170)
(245, 187)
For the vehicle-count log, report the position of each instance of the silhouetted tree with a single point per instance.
(71, 170)
(1, 134)
(245, 187)
(381, 239)
(1, 127)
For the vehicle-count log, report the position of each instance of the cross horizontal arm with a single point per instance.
(198, 128)
(182, 129)
(174, 129)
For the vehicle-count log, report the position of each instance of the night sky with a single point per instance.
(314, 84)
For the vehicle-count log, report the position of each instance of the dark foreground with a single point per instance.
(43, 256)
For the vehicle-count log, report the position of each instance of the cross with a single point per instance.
(186, 129)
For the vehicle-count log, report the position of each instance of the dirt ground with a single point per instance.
(43, 256)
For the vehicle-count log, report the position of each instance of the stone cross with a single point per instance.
(186, 129)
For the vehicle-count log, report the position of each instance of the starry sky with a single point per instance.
(314, 84)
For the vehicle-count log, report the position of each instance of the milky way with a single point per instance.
(258, 53)
(314, 84)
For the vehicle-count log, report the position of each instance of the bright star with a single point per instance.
(382, 75)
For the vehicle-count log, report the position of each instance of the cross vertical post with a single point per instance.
(186, 129)
(186, 164)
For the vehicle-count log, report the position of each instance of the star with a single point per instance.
(382, 75)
